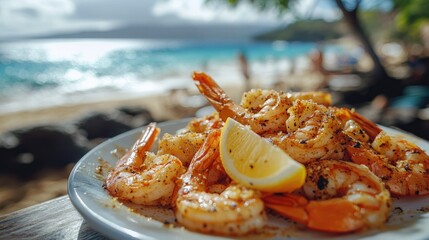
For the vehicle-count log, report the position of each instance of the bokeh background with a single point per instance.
(74, 73)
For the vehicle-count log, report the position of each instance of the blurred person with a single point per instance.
(244, 67)
(317, 61)
(318, 65)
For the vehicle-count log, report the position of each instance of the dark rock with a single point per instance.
(26, 151)
(48, 146)
(136, 111)
(8, 160)
(138, 116)
(102, 125)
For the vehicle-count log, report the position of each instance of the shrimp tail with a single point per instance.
(210, 89)
(205, 156)
(145, 142)
(218, 98)
(344, 216)
(136, 155)
(291, 206)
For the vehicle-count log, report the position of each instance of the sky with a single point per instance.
(27, 18)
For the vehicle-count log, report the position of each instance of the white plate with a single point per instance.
(118, 221)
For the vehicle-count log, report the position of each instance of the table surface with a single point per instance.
(54, 219)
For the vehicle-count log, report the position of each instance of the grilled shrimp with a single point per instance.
(205, 124)
(338, 197)
(183, 146)
(314, 133)
(403, 166)
(231, 210)
(266, 109)
(143, 177)
(263, 110)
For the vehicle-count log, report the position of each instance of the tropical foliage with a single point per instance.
(411, 15)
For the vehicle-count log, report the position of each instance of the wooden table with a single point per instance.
(54, 219)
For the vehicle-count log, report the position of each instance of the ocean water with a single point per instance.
(41, 72)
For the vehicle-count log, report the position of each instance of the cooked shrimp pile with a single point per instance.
(353, 167)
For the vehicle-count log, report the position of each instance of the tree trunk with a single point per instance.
(380, 78)
(355, 25)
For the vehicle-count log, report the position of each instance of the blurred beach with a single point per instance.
(74, 74)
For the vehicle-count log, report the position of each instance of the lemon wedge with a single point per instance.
(256, 163)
